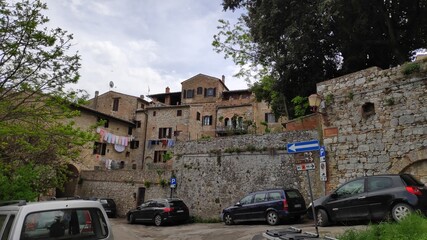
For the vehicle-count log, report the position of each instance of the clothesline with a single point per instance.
(108, 137)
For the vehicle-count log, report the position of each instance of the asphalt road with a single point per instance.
(213, 231)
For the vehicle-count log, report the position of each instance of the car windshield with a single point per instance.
(411, 180)
(177, 204)
(65, 224)
(293, 194)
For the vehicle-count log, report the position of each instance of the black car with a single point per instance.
(271, 205)
(109, 205)
(159, 212)
(372, 198)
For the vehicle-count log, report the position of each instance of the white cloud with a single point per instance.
(141, 44)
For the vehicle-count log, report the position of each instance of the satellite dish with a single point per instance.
(111, 84)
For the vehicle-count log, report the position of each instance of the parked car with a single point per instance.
(271, 205)
(77, 219)
(160, 212)
(109, 205)
(372, 198)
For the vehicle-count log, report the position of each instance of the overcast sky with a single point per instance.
(143, 46)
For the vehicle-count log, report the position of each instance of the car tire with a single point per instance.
(228, 219)
(272, 218)
(131, 219)
(400, 211)
(322, 218)
(158, 220)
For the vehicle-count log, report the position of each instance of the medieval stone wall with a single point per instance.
(211, 174)
(380, 118)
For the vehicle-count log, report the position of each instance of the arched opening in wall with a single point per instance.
(368, 109)
(70, 184)
(418, 169)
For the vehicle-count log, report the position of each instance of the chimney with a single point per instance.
(168, 90)
(95, 100)
(223, 79)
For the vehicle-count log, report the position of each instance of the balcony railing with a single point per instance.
(230, 130)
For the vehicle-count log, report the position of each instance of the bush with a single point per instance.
(412, 227)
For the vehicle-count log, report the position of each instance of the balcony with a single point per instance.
(230, 130)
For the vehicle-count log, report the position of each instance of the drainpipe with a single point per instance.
(145, 138)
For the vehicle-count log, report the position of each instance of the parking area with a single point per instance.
(212, 231)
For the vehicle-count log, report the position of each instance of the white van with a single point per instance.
(70, 219)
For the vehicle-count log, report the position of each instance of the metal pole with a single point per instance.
(171, 192)
(312, 204)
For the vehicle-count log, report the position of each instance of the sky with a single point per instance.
(143, 46)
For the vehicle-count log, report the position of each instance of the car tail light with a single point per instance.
(414, 190)
(167, 209)
(88, 223)
(285, 205)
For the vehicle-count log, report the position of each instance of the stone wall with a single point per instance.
(381, 122)
(211, 174)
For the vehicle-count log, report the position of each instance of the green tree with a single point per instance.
(300, 43)
(37, 136)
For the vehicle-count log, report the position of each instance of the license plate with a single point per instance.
(297, 205)
(180, 211)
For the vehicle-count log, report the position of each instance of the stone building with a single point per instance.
(205, 108)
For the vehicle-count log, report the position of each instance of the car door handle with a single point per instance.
(362, 197)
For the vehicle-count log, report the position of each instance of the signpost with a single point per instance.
(303, 146)
(306, 163)
(173, 185)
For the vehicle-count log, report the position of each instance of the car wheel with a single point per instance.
(158, 220)
(131, 219)
(228, 219)
(322, 218)
(272, 218)
(400, 211)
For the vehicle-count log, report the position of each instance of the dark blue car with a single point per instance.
(272, 205)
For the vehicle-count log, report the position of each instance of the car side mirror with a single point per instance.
(334, 195)
(238, 204)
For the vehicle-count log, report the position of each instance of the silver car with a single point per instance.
(71, 219)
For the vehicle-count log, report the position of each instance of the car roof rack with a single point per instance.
(13, 202)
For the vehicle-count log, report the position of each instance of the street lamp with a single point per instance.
(314, 101)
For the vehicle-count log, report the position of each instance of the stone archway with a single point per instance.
(414, 163)
(71, 184)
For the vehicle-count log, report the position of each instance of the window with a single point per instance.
(115, 104)
(368, 109)
(210, 92)
(274, 196)
(65, 224)
(165, 133)
(379, 183)
(99, 148)
(158, 156)
(134, 144)
(129, 130)
(105, 121)
(189, 93)
(154, 113)
(246, 200)
(270, 118)
(179, 113)
(198, 116)
(259, 197)
(199, 90)
(351, 188)
(138, 124)
(207, 120)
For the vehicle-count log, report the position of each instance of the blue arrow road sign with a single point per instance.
(303, 146)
